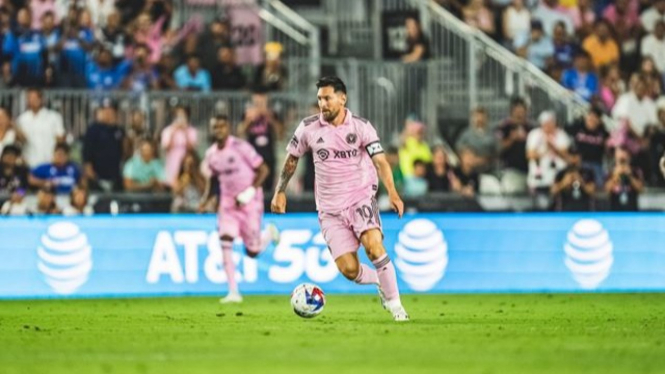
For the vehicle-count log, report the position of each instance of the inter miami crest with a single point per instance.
(351, 138)
(323, 154)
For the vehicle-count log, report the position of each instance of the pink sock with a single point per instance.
(387, 277)
(366, 275)
(229, 266)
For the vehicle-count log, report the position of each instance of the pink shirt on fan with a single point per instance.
(235, 167)
(178, 149)
(344, 172)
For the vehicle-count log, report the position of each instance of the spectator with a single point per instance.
(165, 71)
(16, 205)
(189, 185)
(623, 16)
(656, 136)
(417, 45)
(261, 127)
(464, 179)
(226, 75)
(574, 188)
(78, 203)
(512, 134)
(612, 86)
(438, 172)
(652, 15)
(104, 74)
(583, 17)
(138, 131)
(637, 107)
(104, 148)
(662, 165)
(550, 13)
(191, 77)
(654, 79)
(46, 204)
(538, 49)
(9, 134)
(178, 138)
(416, 184)
(547, 152)
(271, 75)
(141, 76)
(413, 146)
(13, 175)
(61, 174)
(28, 53)
(43, 129)
(149, 33)
(73, 48)
(143, 172)
(624, 183)
(38, 9)
(477, 15)
(654, 45)
(478, 139)
(516, 22)
(600, 45)
(113, 37)
(217, 36)
(51, 35)
(100, 11)
(590, 139)
(581, 79)
(564, 50)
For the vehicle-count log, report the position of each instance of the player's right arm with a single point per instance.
(296, 148)
(278, 204)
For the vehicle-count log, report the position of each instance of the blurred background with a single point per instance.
(492, 105)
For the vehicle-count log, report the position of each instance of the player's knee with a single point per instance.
(374, 248)
(349, 269)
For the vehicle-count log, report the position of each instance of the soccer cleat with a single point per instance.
(274, 233)
(399, 314)
(231, 298)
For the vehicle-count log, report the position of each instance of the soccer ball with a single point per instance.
(308, 300)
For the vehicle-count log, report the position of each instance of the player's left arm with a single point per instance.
(385, 173)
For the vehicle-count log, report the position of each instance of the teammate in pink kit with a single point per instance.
(240, 172)
(347, 156)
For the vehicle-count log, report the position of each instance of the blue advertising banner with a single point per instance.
(142, 255)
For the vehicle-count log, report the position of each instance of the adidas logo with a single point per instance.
(319, 141)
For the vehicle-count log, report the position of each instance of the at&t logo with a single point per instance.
(588, 253)
(422, 254)
(65, 257)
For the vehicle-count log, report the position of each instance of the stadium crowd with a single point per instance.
(131, 45)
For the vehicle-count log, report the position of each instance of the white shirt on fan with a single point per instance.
(41, 130)
(543, 172)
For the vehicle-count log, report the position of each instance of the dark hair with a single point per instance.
(333, 82)
(193, 56)
(62, 147)
(419, 162)
(48, 13)
(144, 46)
(582, 54)
(11, 149)
(36, 90)
(184, 108)
(197, 162)
(517, 101)
(221, 117)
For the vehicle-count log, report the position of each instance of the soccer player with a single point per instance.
(240, 172)
(347, 156)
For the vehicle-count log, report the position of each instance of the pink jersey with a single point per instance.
(344, 172)
(235, 167)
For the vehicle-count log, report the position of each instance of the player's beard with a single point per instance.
(330, 115)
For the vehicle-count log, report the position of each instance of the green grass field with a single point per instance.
(581, 333)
